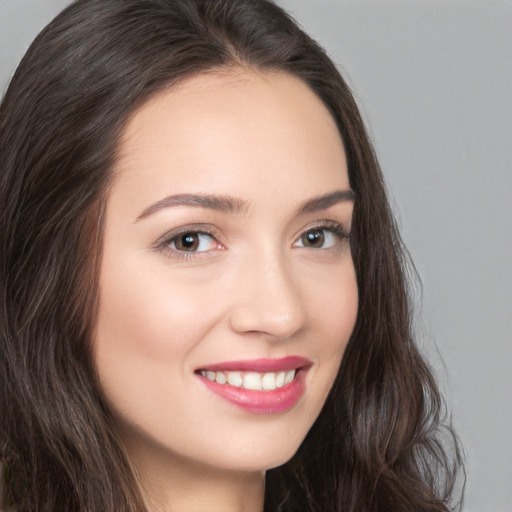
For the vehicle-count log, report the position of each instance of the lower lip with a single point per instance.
(261, 402)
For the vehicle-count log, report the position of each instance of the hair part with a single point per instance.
(377, 444)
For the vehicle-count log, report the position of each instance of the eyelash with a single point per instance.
(327, 226)
(170, 238)
(165, 242)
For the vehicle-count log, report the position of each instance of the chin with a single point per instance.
(256, 457)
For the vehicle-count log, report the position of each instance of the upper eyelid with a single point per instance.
(324, 224)
(203, 229)
(163, 244)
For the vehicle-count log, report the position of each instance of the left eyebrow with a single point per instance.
(326, 201)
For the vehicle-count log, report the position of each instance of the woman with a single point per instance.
(204, 293)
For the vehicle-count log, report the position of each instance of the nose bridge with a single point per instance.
(268, 298)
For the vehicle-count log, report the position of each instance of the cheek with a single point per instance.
(148, 313)
(146, 329)
(334, 307)
(337, 317)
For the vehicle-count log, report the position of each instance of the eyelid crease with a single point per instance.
(328, 225)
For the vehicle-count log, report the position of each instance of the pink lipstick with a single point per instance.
(260, 386)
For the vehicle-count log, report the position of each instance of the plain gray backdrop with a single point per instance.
(434, 81)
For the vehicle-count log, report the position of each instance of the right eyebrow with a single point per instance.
(213, 202)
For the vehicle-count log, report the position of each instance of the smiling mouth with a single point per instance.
(256, 375)
(258, 386)
(255, 381)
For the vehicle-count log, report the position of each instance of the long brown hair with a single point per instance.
(379, 443)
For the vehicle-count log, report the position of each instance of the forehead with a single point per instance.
(225, 128)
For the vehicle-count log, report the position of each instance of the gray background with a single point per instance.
(434, 81)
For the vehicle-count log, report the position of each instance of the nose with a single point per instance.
(267, 300)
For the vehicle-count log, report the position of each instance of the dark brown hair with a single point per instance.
(378, 444)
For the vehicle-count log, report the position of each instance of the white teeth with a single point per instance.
(268, 381)
(251, 380)
(235, 379)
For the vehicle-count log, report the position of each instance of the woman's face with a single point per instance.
(225, 258)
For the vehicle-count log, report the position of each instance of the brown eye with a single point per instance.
(187, 242)
(314, 238)
(192, 241)
(322, 237)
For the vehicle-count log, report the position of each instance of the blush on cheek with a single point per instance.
(338, 310)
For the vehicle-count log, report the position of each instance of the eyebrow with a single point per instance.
(224, 204)
(228, 204)
(326, 201)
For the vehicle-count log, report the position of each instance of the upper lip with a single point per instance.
(260, 365)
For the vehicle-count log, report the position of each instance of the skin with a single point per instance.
(254, 288)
